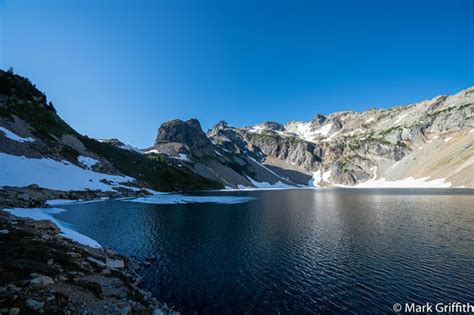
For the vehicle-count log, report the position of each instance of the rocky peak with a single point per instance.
(220, 126)
(319, 119)
(187, 133)
(273, 125)
(112, 141)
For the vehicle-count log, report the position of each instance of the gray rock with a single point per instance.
(114, 263)
(4, 232)
(97, 262)
(34, 304)
(25, 197)
(14, 311)
(45, 224)
(41, 282)
(125, 310)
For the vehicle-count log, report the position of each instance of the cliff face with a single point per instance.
(183, 137)
(186, 143)
(430, 140)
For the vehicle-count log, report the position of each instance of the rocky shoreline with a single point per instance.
(43, 272)
(34, 196)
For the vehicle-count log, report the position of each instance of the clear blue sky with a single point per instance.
(121, 68)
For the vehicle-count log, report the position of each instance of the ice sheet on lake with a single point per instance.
(47, 214)
(168, 199)
(63, 202)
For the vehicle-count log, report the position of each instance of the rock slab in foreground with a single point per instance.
(42, 272)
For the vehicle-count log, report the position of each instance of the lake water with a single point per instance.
(297, 251)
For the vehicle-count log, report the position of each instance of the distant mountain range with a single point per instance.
(426, 144)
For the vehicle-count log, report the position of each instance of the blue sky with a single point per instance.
(121, 68)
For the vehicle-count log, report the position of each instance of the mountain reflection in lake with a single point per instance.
(297, 251)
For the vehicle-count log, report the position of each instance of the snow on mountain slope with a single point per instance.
(431, 139)
(20, 171)
(11, 135)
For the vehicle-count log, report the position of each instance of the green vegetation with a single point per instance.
(469, 92)
(153, 171)
(28, 103)
(273, 136)
(389, 130)
(449, 109)
(69, 154)
(25, 101)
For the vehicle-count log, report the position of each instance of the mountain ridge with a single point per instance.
(429, 143)
(352, 148)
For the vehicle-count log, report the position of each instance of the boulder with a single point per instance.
(187, 133)
(46, 225)
(114, 263)
(41, 282)
(34, 304)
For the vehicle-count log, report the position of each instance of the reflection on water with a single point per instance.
(297, 251)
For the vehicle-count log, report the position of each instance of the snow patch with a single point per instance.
(305, 131)
(87, 161)
(326, 176)
(400, 118)
(130, 148)
(351, 133)
(257, 129)
(47, 214)
(316, 179)
(266, 185)
(323, 131)
(14, 136)
(21, 171)
(152, 151)
(329, 139)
